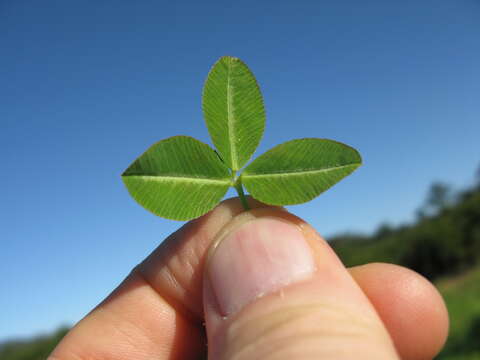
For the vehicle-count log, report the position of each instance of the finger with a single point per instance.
(411, 308)
(273, 289)
(156, 313)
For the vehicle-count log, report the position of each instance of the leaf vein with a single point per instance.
(181, 178)
(231, 119)
(301, 172)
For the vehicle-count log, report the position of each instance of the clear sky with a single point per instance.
(87, 86)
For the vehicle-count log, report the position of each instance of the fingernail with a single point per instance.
(256, 258)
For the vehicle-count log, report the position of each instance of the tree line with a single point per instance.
(444, 239)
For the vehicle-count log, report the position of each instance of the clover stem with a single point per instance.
(239, 187)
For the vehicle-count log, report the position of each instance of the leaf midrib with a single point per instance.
(181, 178)
(231, 120)
(300, 172)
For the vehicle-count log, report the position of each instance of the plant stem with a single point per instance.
(239, 187)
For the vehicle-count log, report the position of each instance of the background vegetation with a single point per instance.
(443, 244)
(37, 348)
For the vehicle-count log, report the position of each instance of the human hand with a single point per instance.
(269, 288)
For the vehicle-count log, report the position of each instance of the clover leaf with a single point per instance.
(181, 178)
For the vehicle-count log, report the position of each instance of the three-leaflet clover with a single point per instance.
(181, 178)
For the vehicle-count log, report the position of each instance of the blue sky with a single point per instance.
(87, 86)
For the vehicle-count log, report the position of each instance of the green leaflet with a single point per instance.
(233, 110)
(179, 178)
(299, 170)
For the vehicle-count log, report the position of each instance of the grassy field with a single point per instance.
(462, 296)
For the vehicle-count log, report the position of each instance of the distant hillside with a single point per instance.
(444, 240)
(37, 348)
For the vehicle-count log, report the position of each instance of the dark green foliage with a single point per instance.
(34, 349)
(445, 243)
(439, 197)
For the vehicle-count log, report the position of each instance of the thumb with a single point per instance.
(273, 289)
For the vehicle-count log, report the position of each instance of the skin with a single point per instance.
(157, 312)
